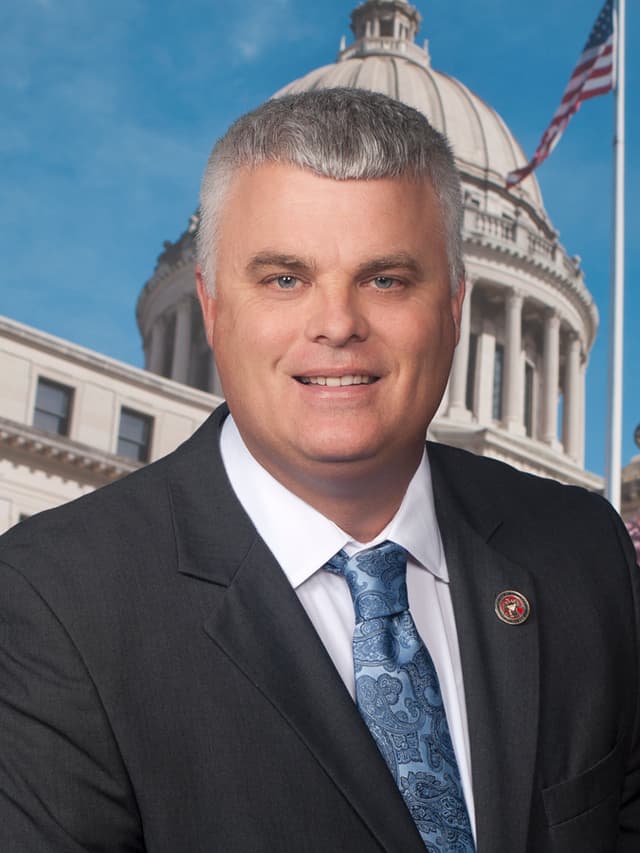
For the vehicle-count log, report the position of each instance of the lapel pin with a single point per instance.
(512, 607)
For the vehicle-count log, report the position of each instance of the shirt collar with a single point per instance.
(302, 539)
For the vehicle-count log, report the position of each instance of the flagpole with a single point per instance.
(616, 319)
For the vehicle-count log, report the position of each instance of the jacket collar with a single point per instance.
(213, 534)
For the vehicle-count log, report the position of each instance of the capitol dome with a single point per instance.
(394, 65)
(517, 388)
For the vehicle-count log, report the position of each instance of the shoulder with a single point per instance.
(534, 509)
(480, 476)
(110, 530)
(89, 518)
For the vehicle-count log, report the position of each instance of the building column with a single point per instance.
(582, 386)
(182, 342)
(485, 366)
(457, 407)
(513, 372)
(572, 406)
(550, 378)
(156, 348)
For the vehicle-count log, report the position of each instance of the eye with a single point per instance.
(285, 282)
(384, 282)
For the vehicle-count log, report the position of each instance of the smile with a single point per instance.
(337, 381)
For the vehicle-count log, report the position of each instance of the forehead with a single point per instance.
(282, 177)
(287, 203)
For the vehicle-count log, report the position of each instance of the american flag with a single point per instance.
(593, 75)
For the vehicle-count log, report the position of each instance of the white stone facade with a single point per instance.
(517, 389)
(42, 468)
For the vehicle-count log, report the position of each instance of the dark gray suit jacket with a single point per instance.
(153, 697)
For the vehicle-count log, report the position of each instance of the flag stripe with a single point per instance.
(592, 76)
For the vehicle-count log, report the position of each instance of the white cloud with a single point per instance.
(260, 25)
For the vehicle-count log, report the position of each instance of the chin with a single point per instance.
(343, 452)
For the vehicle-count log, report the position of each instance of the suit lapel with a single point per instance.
(263, 629)
(500, 664)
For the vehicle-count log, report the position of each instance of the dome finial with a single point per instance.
(393, 19)
(387, 27)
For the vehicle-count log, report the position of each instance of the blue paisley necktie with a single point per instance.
(399, 698)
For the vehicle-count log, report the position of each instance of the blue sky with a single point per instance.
(109, 110)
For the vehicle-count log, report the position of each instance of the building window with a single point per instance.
(169, 342)
(52, 411)
(200, 356)
(560, 418)
(498, 372)
(471, 371)
(528, 398)
(134, 435)
(202, 369)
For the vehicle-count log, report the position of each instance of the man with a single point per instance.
(201, 657)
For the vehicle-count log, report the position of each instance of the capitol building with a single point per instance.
(517, 388)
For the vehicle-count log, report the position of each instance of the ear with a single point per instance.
(207, 305)
(457, 301)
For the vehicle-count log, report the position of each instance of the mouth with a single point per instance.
(338, 381)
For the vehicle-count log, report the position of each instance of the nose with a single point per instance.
(336, 317)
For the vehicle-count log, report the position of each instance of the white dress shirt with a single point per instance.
(302, 540)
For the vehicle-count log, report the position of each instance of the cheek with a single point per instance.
(426, 348)
(250, 339)
(420, 333)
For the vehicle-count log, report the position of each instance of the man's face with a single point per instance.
(333, 324)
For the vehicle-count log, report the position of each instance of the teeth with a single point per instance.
(337, 381)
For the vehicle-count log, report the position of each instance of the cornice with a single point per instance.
(62, 454)
(134, 376)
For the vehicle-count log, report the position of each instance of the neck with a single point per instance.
(362, 519)
(361, 502)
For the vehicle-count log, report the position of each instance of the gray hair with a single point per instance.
(343, 134)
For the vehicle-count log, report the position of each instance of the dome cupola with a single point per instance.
(374, 20)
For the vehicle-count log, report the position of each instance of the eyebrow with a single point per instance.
(277, 259)
(371, 267)
(399, 260)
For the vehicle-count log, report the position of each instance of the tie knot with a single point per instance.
(377, 579)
